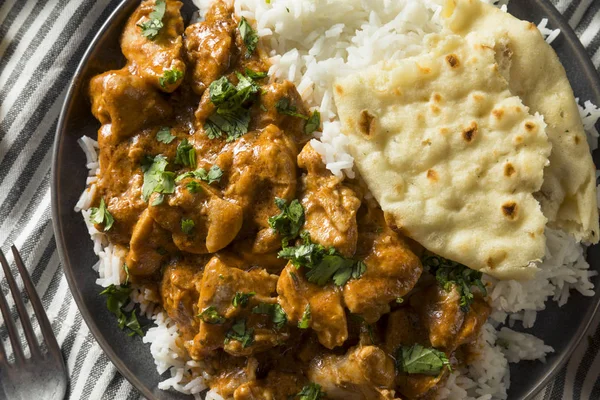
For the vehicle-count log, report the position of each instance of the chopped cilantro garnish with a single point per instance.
(170, 77)
(187, 226)
(313, 123)
(134, 325)
(232, 116)
(312, 391)
(305, 319)
(186, 154)
(248, 35)
(256, 75)
(450, 273)
(158, 200)
(101, 215)
(193, 186)
(240, 333)
(278, 316)
(417, 359)
(214, 174)
(289, 221)
(211, 316)
(126, 269)
(241, 299)
(324, 264)
(156, 179)
(117, 298)
(164, 135)
(153, 25)
(284, 106)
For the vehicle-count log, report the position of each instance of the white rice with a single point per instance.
(313, 42)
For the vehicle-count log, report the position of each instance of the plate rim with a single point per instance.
(585, 66)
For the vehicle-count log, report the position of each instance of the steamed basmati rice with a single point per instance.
(312, 42)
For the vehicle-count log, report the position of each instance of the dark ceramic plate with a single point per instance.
(562, 328)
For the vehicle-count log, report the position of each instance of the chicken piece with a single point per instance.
(150, 58)
(330, 206)
(474, 320)
(220, 283)
(404, 328)
(216, 222)
(392, 268)
(327, 316)
(120, 185)
(260, 167)
(233, 373)
(440, 315)
(149, 247)
(365, 372)
(127, 103)
(209, 46)
(271, 95)
(179, 290)
(277, 385)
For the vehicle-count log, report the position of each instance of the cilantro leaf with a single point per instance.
(324, 264)
(117, 297)
(134, 325)
(193, 186)
(284, 106)
(126, 269)
(278, 316)
(214, 174)
(154, 24)
(241, 299)
(255, 75)
(170, 77)
(158, 200)
(305, 319)
(234, 123)
(289, 221)
(101, 215)
(313, 123)
(164, 135)
(312, 391)
(417, 359)
(232, 115)
(221, 90)
(186, 154)
(156, 179)
(211, 316)
(450, 273)
(240, 333)
(248, 35)
(187, 226)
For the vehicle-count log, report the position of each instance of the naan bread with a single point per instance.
(450, 154)
(535, 74)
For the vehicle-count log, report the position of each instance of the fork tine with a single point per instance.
(10, 324)
(23, 316)
(34, 298)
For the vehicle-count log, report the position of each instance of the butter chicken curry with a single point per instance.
(284, 280)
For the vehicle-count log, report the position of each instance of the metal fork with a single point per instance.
(43, 375)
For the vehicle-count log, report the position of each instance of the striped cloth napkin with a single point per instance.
(41, 43)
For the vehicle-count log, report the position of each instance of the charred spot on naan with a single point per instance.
(470, 132)
(366, 123)
(509, 170)
(453, 61)
(510, 210)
